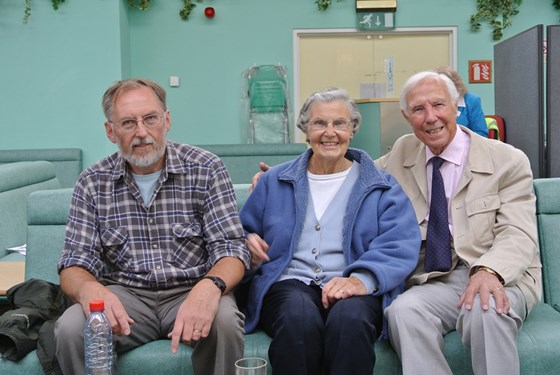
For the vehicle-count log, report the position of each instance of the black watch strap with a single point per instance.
(218, 282)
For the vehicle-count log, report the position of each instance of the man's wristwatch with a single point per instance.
(218, 282)
(489, 270)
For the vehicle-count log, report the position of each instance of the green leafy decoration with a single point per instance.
(27, 11)
(497, 13)
(322, 5)
(56, 3)
(186, 10)
(140, 4)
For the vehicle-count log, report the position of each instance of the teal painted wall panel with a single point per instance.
(369, 134)
(54, 70)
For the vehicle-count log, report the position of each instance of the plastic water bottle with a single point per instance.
(98, 341)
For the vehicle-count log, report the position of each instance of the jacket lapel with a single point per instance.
(478, 161)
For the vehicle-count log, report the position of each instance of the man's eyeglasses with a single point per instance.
(150, 121)
(339, 124)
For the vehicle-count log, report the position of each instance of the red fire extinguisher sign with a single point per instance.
(480, 71)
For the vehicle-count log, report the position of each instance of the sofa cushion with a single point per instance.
(46, 224)
(547, 191)
(242, 160)
(67, 161)
(241, 194)
(17, 181)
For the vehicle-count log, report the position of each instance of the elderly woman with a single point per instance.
(332, 240)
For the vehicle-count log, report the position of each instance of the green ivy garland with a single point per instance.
(322, 5)
(184, 12)
(497, 13)
(27, 11)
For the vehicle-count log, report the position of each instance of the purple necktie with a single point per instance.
(438, 238)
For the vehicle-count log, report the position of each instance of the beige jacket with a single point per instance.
(493, 211)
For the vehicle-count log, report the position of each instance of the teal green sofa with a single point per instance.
(17, 181)
(67, 161)
(538, 342)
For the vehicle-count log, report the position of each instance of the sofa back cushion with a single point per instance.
(242, 160)
(547, 191)
(17, 181)
(67, 161)
(241, 194)
(47, 216)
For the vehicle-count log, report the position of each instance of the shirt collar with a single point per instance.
(455, 150)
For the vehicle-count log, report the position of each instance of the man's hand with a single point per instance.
(196, 314)
(114, 309)
(485, 284)
(258, 249)
(82, 287)
(263, 168)
(341, 288)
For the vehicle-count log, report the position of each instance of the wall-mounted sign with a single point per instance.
(480, 71)
(376, 5)
(375, 21)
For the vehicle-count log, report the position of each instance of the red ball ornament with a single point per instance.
(209, 12)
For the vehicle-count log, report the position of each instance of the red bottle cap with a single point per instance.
(98, 305)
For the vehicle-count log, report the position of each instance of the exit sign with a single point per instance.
(375, 20)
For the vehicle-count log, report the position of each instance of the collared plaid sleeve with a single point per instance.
(82, 246)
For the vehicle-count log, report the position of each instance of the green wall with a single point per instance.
(55, 68)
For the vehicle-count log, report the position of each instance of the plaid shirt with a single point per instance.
(191, 222)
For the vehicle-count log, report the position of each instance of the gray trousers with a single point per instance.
(420, 317)
(154, 314)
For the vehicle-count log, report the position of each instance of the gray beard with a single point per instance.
(144, 161)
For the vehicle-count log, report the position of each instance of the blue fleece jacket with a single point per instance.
(380, 231)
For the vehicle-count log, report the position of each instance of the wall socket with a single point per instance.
(174, 81)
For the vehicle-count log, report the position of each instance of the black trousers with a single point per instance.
(308, 339)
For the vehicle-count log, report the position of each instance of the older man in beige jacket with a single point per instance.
(495, 274)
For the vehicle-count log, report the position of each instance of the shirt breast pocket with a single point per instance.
(482, 217)
(115, 244)
(188, 245)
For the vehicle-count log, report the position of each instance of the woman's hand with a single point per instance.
(340, 288)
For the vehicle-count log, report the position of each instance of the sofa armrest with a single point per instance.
(547, 191)
(17, 181)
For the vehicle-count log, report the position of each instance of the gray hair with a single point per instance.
(328, 95)
(119, 87)
(418, 78)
